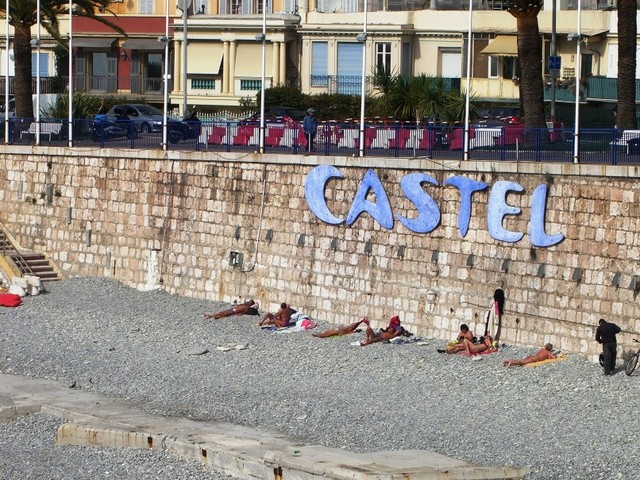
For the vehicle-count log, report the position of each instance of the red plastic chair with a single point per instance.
(402, 137)
(216, 136)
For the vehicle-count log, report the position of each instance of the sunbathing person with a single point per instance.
(343, 330)
(458, 345)
(281, 319)
(249, 306)
(393, 330)
(473, 348)
(543, 354)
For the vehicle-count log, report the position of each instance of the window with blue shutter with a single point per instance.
(319, 64)
(44, 64)
(349, 68)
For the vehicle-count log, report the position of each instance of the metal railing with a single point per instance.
(501, 143)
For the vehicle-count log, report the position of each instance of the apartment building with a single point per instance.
(319, 46)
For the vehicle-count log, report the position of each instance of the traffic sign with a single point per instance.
(554, 63)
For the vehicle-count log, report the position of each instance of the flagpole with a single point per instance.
(70, 102)
(38, 76)
(6, 78)
(165, 39)
(264, 66)
(363, 38)
(465, 155)
(576, 133)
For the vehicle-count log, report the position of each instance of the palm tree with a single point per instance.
(530, 55)
(418, 97)
(626, 111)
(23, 16)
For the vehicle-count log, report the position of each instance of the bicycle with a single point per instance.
(632, 363)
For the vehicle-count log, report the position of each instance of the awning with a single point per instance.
(204, 58)
(249, 60)
(502, 46)
(143, 44)
(93, 42)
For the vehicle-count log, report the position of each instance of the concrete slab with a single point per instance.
(238, 451)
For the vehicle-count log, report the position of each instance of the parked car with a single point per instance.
(278, 115)
(145, 117)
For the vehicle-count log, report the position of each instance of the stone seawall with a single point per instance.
(228, 226)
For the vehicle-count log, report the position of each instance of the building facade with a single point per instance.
(319, 45)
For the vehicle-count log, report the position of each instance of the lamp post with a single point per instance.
(263, 37)
(576, 133)
(467, 105)
(6, 77)
(363, 39)
(70, 102)
(165, 40)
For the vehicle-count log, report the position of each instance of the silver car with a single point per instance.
(145, 117)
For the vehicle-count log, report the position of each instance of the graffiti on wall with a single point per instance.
(427, 212)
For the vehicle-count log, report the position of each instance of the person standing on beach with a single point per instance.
(606, 335)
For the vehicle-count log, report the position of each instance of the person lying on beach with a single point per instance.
(343, 330)
(281, 319)
(543, 354)
(249, 307)
(483, 344)
(393, 330)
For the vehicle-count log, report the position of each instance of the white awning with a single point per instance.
(249, 60)
(204, 58)
(93, 42)
(502, 46)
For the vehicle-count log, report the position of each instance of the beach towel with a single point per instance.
(486, 352)
(301, 323)
(551, 360)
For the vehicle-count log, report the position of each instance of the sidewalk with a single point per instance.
(96, 420)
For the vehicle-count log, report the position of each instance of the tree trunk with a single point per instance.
(626, 116)
(531, 86)
(23, 88)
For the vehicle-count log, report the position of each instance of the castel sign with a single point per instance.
(428, 215)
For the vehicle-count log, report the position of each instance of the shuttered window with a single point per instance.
(450, 63)
(349, 68)
(319, 64)
(44, 64)
(146, 6)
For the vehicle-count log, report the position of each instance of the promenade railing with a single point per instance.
(500, 143)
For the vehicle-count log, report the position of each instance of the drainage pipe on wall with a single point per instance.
(252, 264)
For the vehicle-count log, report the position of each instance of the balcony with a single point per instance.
(47, 85)
(112, 85)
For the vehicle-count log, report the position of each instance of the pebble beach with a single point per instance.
(563, 420)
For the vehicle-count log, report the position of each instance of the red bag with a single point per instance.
(10, 300)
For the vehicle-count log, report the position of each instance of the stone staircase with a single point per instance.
(28, 263)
